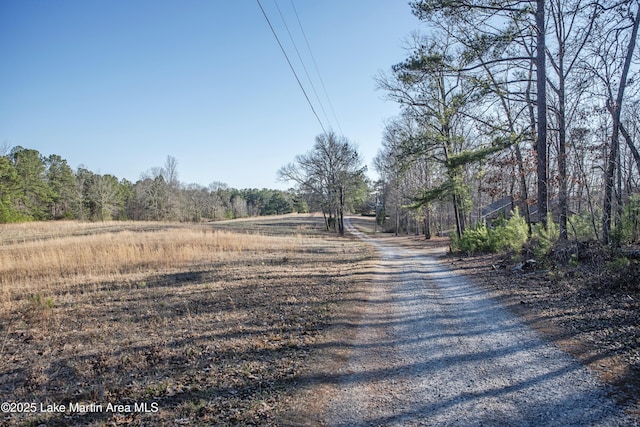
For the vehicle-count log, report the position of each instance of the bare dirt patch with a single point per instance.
(218, 342)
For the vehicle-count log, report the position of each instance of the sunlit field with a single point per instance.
(54, 256)
(207, 324)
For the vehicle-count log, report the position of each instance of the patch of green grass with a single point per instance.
(42, 303)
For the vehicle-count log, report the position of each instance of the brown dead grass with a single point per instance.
(42, 265)
(212, 323)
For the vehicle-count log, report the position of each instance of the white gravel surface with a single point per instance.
(432, 349)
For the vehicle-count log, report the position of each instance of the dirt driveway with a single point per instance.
(430, 348)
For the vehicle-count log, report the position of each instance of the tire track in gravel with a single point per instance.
(432, 349)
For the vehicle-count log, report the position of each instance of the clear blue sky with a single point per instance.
(117, 86)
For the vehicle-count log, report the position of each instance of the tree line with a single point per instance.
(38, 187)
(516, 103)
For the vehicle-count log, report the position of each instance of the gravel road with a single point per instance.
(432, 349)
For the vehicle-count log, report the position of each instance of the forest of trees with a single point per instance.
(35, 187)
(516, 103)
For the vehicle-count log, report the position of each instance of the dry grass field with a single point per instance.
(207, 324)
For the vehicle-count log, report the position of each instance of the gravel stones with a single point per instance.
(433, 349)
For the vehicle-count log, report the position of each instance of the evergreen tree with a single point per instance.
(35, 191)
(9, 192)
(65, 200)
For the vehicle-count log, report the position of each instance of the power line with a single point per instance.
(291, 66)
(293, 42)
(324, 88)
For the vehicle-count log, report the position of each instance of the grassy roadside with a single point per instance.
(207, 324)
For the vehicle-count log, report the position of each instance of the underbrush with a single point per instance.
(611, 268)
(502, 235)
(624, 276)
(603, 269)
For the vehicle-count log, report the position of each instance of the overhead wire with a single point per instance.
(291, 66)
(324, 88)
(295, 47)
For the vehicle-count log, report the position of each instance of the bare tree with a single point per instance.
(170, 172)
(573, 22)
(615, 107)
(332, 172)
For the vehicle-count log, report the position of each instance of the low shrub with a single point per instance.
(502, 235)
(627, 230)
(585, 226)
(42, 303)
(543, 238)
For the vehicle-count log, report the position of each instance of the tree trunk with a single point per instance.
(427, 224)
(523, 186)
(326, 221)
(562, 162)
(632, 148)
(616, 110)
(456, 213)
(341, 213)
(541, 103)
(562, 142)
